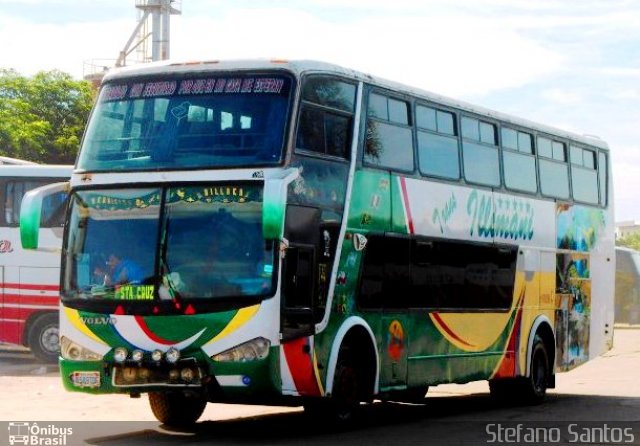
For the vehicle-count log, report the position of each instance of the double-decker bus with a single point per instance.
(30, 280)
(293, 232)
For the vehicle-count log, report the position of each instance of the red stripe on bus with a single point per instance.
(300, 362)
(30, 286)
(30, 299)
(145, 328)
(509, 364)
(449, 331)
(405, 198)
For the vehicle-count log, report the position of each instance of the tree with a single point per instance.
(630, 241)
(42, 118)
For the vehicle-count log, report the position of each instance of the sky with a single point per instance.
(572, 64)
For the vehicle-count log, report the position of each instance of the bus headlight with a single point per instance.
(172, 355)
(75, 352)
(257, 348)
(156, 355)
(120, 355)
(137, 355)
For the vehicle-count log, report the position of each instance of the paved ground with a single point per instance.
(603, 391)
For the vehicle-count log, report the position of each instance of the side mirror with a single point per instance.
(274, 204)
(31, 212)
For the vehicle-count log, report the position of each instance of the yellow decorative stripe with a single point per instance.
(317, 373)
(73, 316)
(241, 318)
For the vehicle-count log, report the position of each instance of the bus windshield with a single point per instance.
(172, 122)
(191, 242)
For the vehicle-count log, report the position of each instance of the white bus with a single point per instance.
(29, 280)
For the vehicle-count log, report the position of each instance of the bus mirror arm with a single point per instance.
(284, 245)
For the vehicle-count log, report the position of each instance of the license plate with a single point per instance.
(85, 379)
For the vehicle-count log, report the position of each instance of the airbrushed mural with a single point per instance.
(578, 228)
(441, 345)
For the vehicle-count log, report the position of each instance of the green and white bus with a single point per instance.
(297, 233)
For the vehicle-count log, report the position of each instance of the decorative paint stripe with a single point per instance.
(73, 316)
(406, 205)
(454, 355)
(33, 307)
(288, 385)
(129, 329)
(145, 328)
(30, 286)
(12, 320)
(438, 320)
(31, 299)
(241, 318)
(317, 372)
(300, 359)
(508, 366)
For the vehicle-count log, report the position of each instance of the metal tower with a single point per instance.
(158, 13)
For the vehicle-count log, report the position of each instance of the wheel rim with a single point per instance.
(49, 340)
(347, 393)
(539, 374)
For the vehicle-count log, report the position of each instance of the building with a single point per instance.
(625, 228)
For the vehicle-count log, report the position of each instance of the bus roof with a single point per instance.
(299, 67)
(14, 161)
(36, 171)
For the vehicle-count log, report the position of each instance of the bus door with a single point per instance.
(396, 320)
(302, 231)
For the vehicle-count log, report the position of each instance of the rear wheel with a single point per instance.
(177, 409)
(534, 386)
(530, 389)
(44, 338)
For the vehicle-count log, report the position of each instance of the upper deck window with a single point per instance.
(554, 172)
(326, 116)
(480, 152)
(178, 122)
(437, 143)
(389, 138)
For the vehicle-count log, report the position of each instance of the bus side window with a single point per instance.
(326, 114)
(389, 137)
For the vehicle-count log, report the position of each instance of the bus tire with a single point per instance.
(345, 400)
(44, 337)
(533, 388)
(176, 409)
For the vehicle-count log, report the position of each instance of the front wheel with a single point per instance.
(342, 407)
(43, 338)
(176, 409)
(345, 400)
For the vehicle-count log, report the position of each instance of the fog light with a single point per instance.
(173, 374)
(144, 374)
(129, 374)
(186, 375)
(156, 355)
(172, 355)
(137, 355)
(120, 355)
